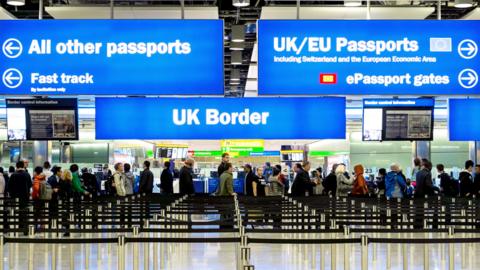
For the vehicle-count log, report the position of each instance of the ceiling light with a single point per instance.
(236, 58)
(16, 2)
(238, 33)
(234, 82)
(352, 3)
(241, 3)
(463, 3)
(237, 46)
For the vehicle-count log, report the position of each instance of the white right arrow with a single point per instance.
(471, 78)
(10, 78)
(470, 49)
(11, 47)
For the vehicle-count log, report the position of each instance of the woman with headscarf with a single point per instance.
(360, 188)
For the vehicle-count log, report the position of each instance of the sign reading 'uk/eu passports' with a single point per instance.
(111, 57)
(371, 57)
(220, 118)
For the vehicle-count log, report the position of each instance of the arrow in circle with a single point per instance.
(10, 78)
(470, 77)
(470, 49)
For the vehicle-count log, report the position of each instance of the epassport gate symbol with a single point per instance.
(468, 78)
(12, 78)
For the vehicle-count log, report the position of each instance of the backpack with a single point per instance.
(46, 191)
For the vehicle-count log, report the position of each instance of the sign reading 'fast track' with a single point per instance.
(111, 57)
(368, 57)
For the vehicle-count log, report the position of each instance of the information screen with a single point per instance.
(42, 119)
(400, 119)
(292, 153)
(173, 153)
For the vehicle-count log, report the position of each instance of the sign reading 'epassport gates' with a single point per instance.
(368, 57)
(111, 57)
(220, 118)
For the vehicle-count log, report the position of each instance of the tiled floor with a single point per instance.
(223, 256)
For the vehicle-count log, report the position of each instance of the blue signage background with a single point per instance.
(441, 57)
(113, 57)
(403, 102)
(463, 124)
(285, 118)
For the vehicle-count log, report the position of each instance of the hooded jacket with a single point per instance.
(359, 185)
(37, 182)
(391, 180)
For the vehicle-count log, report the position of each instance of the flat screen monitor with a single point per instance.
(397, 119)
(292, 153)
(42, 119)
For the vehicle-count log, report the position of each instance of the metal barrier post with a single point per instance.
(346, 253)
(248, 267)
(121, 252)
(135, 232)
(426, 258)
(451, 252)
(2, 242)
(245, 254)
(405, 257)
(364, 252)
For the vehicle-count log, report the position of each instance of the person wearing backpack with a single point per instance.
(395, 183)
(39, 180)
(344, 184)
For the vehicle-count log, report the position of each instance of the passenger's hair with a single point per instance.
(11, 169)
(56, 169)
(298, 165)
(468, 164)
(428, 165)
(395, 167)
(1, 169)
(117, 166)
(46, 165)
(248, 166)
(67, 175)
(320, 170)
(126, 167)
(147, 164)
(275, 171)
(189, 161)
(340, 169)
(74, 168)
(279, 167)
(38, 170)
(225, 154)
(20, 164)
(228, 165)
(478, 165)
(417, 161)
(440, 167)
(166, 164)
(306, 163)
(382, 171)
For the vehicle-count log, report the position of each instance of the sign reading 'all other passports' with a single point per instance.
(111, 57)
(368, 57)
(220, 118)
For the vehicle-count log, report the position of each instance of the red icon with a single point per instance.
(328, 78)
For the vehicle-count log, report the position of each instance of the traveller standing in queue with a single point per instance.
(119, 180)
(301, 182)
(344, 184)
(424, 181)
(129, 179)
(276, 184)
(90, 182)
(226, 182)
(360, 188)
(382, 174)
(186, 178)
(258, 186)
(54, 181)
(38, 181)
(249, 179)
(3, 183)
(166, 179)
(146, 179)
(47, 169)
(395, 183)
(19, 188)
(466, 180)
(223, 165)
(417, 166)
(76, 184)
(447, 184)
(330, 183)
(476, 180)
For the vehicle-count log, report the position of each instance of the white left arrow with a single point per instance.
(10, 47)
(10, 78)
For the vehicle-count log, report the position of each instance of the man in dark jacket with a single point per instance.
(19, 187)
(90, 183)
(330, 183)
(166, 179)
(146, 179)
(446, 182)
(476, 180)
(186, 178)
(249, 179)
(223, 166)
(301, 183)
(424, 181)
(466, 180)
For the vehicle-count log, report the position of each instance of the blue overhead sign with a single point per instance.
(220, 118)
(111, 57)
(463, 124)
(374, 57)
